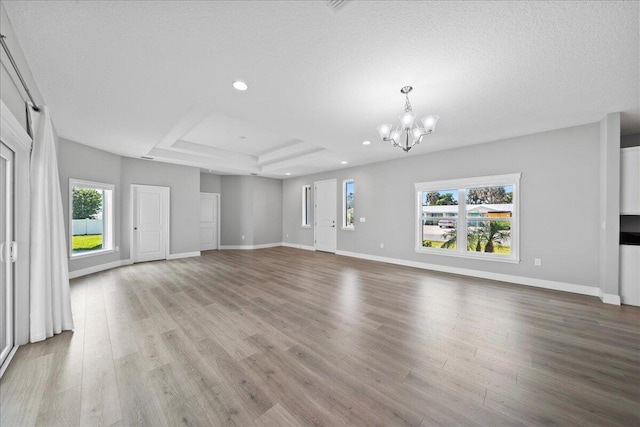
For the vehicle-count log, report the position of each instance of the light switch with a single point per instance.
(363, 219)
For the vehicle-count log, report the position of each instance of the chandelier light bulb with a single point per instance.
(406, 119)
(417, 132)
(430, 123)
(384, 131)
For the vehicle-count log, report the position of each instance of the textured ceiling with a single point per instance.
(154, 78)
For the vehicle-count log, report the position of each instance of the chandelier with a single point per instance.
(400, 136)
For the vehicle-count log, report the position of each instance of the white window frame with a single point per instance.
(108, 215)
(461, 245)
(344, 205)
(307, 203)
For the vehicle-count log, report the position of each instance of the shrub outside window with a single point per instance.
(471, 217)
(91, 218)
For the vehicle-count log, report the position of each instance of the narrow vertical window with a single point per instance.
(306, 205)
(348, 203)
(91, 223)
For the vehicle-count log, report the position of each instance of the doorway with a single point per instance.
(150, 222)
(325, 215)
(209, 221)
(7, 251)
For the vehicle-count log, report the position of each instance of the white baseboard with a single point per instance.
(609, 298)
(528, 281)
(293, 245)
(183, 255)
(115, 264)
(94, 269)
(250, 247)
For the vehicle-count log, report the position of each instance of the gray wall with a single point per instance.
(267, 211)
(250, 206)
(559, 177)
(236, 210)
(11, 90)
(210, 183)
(184, 182)
(632, 140)
(82, 162)
(87, 163)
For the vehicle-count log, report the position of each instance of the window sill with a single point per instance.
(90, 254)
(348, 228)
(305, 226)
(456, 254)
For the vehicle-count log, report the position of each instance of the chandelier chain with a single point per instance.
(407, 104)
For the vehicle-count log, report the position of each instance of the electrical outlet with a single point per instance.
(117, 248)
(243, 237)
(537, 262)
(381, 245)
(287, 236)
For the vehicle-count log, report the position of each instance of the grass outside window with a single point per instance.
(89, 242)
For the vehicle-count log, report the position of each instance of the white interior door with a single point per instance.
(325, 215)
(209, 208)
(150, 223)
(7, 252)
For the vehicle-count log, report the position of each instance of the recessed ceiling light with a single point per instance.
(344, 162)
(288, 173)
(240, 85)
(366, 142)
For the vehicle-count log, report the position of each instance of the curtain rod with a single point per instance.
(15, 67)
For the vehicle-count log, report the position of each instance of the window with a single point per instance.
(306, 206)
(91, 211)
(439, 219)
(348, 200)
(473, 217)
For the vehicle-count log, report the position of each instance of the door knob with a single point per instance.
(135, 228)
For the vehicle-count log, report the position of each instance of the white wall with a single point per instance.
(559, 203)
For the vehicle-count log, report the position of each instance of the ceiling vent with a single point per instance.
(337, 5)
(146, 157)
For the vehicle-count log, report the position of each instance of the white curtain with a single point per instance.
(50, 300)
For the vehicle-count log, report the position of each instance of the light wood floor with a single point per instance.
(280, 337)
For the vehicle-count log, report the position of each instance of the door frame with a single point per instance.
(14, 136)
(167, 228)
(5, 257)
(217, 197)
(315, 208)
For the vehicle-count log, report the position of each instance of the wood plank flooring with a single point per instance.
(286, 337)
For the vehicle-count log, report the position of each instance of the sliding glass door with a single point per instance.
(6, 251)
